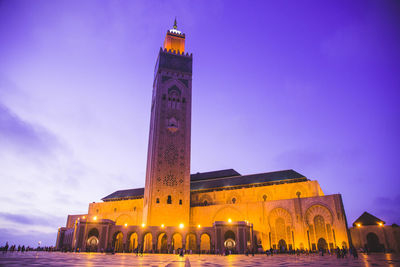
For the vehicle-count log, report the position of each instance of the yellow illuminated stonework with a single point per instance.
(204, 212)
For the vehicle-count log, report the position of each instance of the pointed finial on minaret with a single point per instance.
(175, 27)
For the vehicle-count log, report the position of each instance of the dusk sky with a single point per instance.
(312, 86)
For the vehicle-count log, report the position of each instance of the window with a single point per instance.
(157, 200)
(265, 197)
(115, 209)
(205, 202)
(180, 201)
(298, 194)
(134, 208)
(169, 200)
(233, 200)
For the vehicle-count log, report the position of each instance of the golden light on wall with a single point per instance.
(95, 218)
(229, 220)
(380, 223)
(83, 217)
(143, 225)
(125, 224)
(181, 225)
(358, 224)
(162, 225)
(198, 226)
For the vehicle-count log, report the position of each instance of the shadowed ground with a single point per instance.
(90, 259)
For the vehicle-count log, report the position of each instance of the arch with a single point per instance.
(280, 228)
(176, 241)
(123, 219)
(162, 243)
(226, 213)
(322, 245)
(282, 245)
(191, 242)
(319, 224)
(174, 82)
(206, 200)
(205, 243)
(147, 242)
(280, 213)
(117, 242)
(233, 198)
(92, 244)
(373, 242)
(133, 241)
(299, 189)
(93, 232)
(265, 192)
(229, 234)
(318, 209)
(174, 91)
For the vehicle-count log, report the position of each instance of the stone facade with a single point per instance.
(208, 212)
(370, 233)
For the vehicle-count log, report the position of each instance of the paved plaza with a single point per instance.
(92, 259)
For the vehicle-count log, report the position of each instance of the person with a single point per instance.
(338, 252)
(355, 255)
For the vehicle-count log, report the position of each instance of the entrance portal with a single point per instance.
(373, 243)
(282, 245)
(322, 245)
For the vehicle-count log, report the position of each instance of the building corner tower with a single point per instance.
(167, 188)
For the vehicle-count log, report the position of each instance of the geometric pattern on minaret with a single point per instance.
(167, 188)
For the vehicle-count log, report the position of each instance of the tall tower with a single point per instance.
(167, 189)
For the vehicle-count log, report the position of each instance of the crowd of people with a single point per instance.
(338, 252)
(14, 248)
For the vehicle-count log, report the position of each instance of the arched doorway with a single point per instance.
(282, 245)
(191, 243)
(162, 244)
(118, 242)
(205, 243)
(373, 242)
(176, 242)
(230, 240)
(93, 240)
(147, 242)
(322, 245)
(133, 242)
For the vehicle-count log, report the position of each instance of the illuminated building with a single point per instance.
(210, 211)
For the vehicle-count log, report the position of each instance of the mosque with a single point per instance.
(202, 212)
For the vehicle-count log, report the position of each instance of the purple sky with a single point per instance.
(306, 85)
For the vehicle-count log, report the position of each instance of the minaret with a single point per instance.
(167, 189)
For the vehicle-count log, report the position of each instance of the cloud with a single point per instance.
(31, 220)
(387, 209)
(24, 137)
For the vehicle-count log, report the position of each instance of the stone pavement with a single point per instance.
(97, 259)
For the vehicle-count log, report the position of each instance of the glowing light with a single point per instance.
(83, 217)
(162, 225)
(126, 224)
(358, 224)
(380, 223)
(181, 225)
(199, 226)
(95, 218)
(143, 225)
(229, 220)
